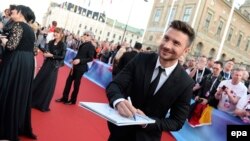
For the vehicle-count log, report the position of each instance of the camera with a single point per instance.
(223, 87)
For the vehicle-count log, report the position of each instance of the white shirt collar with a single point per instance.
(168, 70)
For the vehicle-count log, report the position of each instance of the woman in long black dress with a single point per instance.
(45, 81)
(17, 76)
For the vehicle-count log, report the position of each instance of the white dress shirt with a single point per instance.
(164, 75)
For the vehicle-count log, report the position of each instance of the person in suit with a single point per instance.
(84, 55)
(157, 84)
(126, 57)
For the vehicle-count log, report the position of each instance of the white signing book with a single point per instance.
(105, 111)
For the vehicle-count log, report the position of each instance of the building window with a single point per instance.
(120, 37)
(108, 33)
(100, 32)
(150, 38)
(219, 29)
(208, 20)
(187, 14)
(99, 38)
(85, 27)
(248, 45)
(212, 52)
(157, 15)
(239, 40)
(198, 49)
(171, 18)
(78, 32)
(223, 57)
(95, 30)
(113, 35)
(90, 28)
(80, 25)
(230, 33)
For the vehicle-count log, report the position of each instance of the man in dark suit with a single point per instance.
(84, 55)
(157, 84)
(126, 57)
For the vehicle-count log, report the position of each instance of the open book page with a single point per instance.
(110, 114)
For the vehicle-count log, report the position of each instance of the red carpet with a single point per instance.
(70, 122)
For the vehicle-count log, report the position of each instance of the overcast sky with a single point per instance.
(116, 9)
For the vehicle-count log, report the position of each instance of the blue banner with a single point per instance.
(99, 73)
(70, 54)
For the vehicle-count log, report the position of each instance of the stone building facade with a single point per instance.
(209, 24)
(78, 20)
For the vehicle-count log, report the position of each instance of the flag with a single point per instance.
(200, 115)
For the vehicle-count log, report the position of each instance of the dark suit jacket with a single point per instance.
(85, 53)
(126, 57)
(175, 94)
(58, 52)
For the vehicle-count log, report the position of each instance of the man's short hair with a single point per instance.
(54, 23)
(237, 69)
(148, 48)
(138, 45)
(185, 28)
(231, 60)
(219, 62)
(210, 58)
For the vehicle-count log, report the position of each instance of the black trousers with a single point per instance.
(76, 76)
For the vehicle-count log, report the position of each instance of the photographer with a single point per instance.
(243, 109)
(230, 91)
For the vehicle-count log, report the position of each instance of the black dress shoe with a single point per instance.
(30, 135)
(42, 109)
(45, 110)
(70, 103)
(61, 100)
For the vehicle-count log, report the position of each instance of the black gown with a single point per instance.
(45, 80)
(16, 83)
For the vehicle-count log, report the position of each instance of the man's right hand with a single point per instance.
(126, 109)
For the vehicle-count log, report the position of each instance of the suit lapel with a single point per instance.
(172, 81)
(149, 72)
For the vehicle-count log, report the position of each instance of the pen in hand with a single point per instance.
(129, 99)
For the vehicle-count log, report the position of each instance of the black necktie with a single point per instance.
(155, 82)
